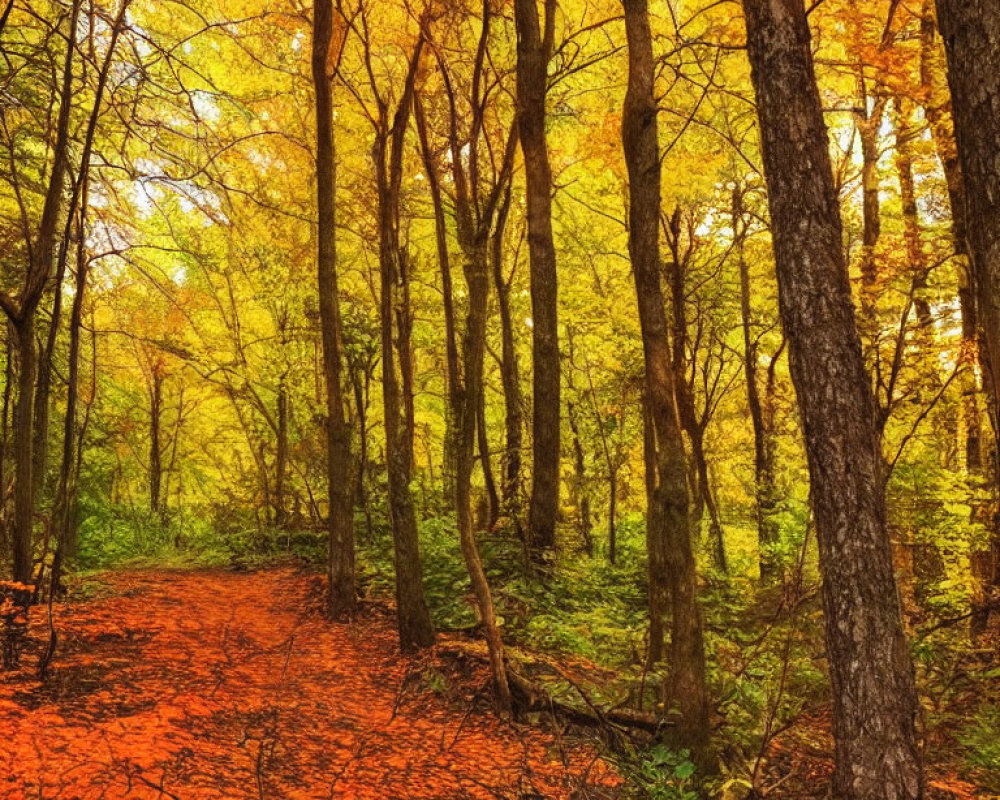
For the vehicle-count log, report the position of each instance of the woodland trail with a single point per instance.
(212, 685)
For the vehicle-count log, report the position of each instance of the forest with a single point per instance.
(500, 399)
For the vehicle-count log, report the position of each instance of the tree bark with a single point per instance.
(534, 46)
(971, 32)
(667, 515)
(874, 697)
(342, 599)
(22, 312)
(510, 374)
(413, 617)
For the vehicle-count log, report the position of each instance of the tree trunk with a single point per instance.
(667, 515)
(874, 697)
(413, 617)
(971, 32)
(24, 489)
(281, 457)
(465, 409)
(447, 296)
(534, 47)
(22, 314)
(765, 494)
(155, 450)
(486, 462)
(934, 86)
(510, 374)
(342, 601)
(868, 131)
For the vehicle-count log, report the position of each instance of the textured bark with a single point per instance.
(667, 514)
(342, 599)
(533, 49)
(874, 698)
(971, 32)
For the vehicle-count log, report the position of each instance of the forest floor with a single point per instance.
(212, 685)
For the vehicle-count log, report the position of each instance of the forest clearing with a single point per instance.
(500, 399)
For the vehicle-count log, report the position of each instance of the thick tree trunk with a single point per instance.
(667, 515)
(533, 49)
(874, 697)
(971, 32)
(342, 601)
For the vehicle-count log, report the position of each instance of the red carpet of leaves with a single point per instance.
(212, 685)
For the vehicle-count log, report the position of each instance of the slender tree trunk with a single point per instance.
(510, 373)
(534, 47)
(657, 576)
(582, 496)
(486, 462)
(447, 296)
(934, 88)
(971, 32)
(765, 494)
(281, 457)
(342, 601)
(874, 697)
(868, 131)
(413, 617)
(667, 515)
(466, 405)
(155, 450)
(22, 314)
(912, 236)
(24, 490)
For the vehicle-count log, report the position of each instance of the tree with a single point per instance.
(21, 311)
(874, 698)
(971, 32)
(414, 620)
(342, 599)
(534, 48)
(667, 515)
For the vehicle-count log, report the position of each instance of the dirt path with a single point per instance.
(204, 686)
